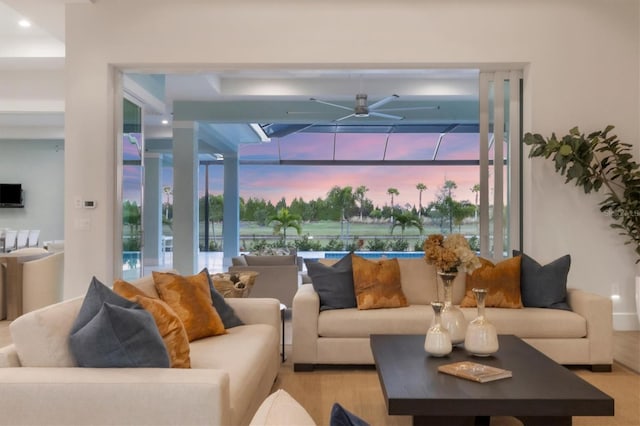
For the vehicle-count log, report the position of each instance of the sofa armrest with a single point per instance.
(257, 310)
(9, 357)
(114, 396)
(306, 308)
(598, 312)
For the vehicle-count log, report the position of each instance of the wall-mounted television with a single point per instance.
(11, 195)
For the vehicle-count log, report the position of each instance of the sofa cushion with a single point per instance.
(119, 337)
(412, 319)
(501, 280)
(41, 337)
(270, 260)
(190, 297)
(169, 324)
(242, 352)
(377, 284)
(281, 409)
(334, 284)
(544, 286)
(538, 323)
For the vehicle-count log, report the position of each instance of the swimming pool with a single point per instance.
(376, 254)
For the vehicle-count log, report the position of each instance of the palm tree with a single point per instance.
(420, 187)
(476, 190)
(392, 192)
(343, 198)
(406, 219)
(284, 219)
(359, 196)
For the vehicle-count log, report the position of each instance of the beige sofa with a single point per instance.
(583, 336)
(230, 374)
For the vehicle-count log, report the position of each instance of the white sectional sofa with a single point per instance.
(582, 336)
(230, 374)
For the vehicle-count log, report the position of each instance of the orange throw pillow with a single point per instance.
(377, 284)
(501, 280)
(190, 297)
(171, 329)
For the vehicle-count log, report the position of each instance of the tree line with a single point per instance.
(347, 203)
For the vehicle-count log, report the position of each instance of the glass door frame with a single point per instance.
(120, 96)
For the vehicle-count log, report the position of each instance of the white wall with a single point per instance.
(581, 61)
(39, 167)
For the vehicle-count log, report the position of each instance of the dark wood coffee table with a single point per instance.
(541, 392)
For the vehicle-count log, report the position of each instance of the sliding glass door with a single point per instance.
(132, 190)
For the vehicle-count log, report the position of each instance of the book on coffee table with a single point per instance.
(474, 371)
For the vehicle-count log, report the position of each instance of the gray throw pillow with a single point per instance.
(544, 286)
(226, 312)
(334, 284)
(97, 295)
(118, 337)
(111, 331)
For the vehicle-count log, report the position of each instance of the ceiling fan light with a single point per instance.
(361, 109)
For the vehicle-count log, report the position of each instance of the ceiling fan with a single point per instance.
(362, 109)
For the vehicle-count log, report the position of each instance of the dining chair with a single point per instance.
(34, 238)
(10, 238)
(22, 238)
(42, 282)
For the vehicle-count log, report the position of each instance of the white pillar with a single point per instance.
(185, 197)
(231, 214)
(152, 209)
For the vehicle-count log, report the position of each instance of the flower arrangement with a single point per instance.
(450, 254)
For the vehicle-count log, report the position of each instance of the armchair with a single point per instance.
(278, 276)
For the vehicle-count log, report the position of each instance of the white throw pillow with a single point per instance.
(280, 409)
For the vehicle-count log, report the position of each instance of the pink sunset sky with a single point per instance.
(273, 182)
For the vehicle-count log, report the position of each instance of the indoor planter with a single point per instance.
(599, 161)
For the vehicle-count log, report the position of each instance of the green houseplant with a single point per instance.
(598, 161)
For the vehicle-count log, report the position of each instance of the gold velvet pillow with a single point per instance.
(190, 297)
(502, 281)
(169, 324)
(377, 284)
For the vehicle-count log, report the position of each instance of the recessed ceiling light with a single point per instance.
(24, 23)
(165, 121)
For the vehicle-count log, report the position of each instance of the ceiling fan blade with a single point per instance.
(383, 102)
(408, 108)
(345, 117)
(381, 115)
(330, 104)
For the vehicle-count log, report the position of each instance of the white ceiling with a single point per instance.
(32, 82)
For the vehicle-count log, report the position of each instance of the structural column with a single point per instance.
(231, 214)
(185, 196)
(152, 209)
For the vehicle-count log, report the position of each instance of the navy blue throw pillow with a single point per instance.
(226, 312)
(342, 417)
(544, 286)
(334, 284)
(110, 331)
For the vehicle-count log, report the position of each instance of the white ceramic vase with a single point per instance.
(437, 342)
(481, 338)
